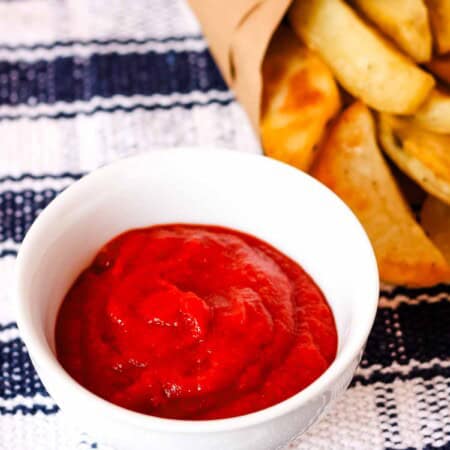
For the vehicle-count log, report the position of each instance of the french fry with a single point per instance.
(435, 219)
(440, 23)
(440, 66)
(421, 154)
(299, 97)
(404, 21)
(352, 165)
(365, 63)
(434, 114)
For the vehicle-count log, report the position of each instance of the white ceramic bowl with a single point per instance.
(268, 199)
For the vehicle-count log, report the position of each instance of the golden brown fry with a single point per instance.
(434, 114)
(440, 66)
(365, 63)
(404, 21)
(421, 154)
(435, 219)
(299, 97)
(351, 164)
(440, 23)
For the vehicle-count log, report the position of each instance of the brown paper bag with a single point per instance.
(238, 33)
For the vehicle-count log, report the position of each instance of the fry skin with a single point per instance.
(363, 61)
(421, 154)
(439, 11)
(434, 114)
(404, 21)
(351, 164)
(300, 96)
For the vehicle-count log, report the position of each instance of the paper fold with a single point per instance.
(238, 33)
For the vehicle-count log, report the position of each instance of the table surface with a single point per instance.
(85, 82)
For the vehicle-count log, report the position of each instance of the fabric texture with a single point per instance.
(86, 82)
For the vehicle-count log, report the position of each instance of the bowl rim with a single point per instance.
(48, 363)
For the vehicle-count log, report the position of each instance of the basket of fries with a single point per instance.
(356, 93)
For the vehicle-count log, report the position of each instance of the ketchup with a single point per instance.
(194, 322)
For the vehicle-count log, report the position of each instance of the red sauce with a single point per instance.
(194, 322)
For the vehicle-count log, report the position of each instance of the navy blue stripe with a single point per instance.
(7, 252)
(88, 42)
(387, 378)
(17, 374)
(432, 447)
(8, 326)
(41, 176)
(427, 447)
(419, 332)
(27, 410)
(68, 79)
(136, 107)
(18, 211)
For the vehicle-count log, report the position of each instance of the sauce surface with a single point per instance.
(194, 322)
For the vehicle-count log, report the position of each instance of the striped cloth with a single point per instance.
(85, 82)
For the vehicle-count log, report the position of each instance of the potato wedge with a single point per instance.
(404, 21)
(364, 62)
(440, 23)
(421, 154)
(435, 219)
(434, 114)
(351, 164)
(299, 97)
(440, 66)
